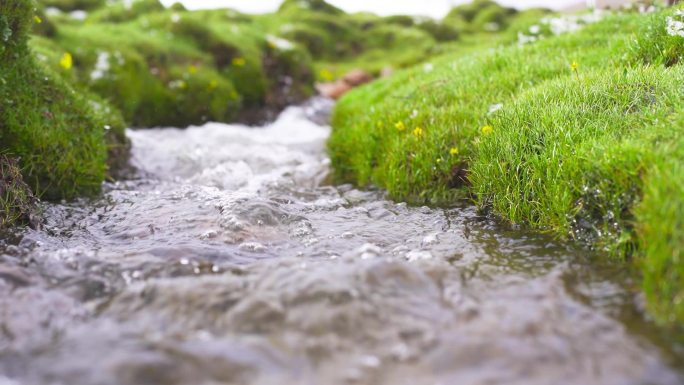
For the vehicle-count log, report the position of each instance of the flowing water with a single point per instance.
(229, 261)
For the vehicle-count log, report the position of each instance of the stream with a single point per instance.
(229, 260)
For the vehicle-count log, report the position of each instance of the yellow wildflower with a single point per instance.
(400, 126)
(239, 62)
(326, 75)
(453, 151)
(67, 61)
(574, 66)
(487, 130)
(213, 84)
(418, 132)
(37, 19)
(192, 69)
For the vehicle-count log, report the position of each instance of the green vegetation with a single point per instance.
(171, 67)
(578, 134)
(74, 5)
(485, 15)
(61, 136)
(68, 91)
(17, 203)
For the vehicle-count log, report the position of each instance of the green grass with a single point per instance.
(593, 155)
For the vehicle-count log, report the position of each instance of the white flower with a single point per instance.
(492, 27)
(526, 39)
(79, 15)
(428, 67)
(495, 107)
(535, 29)
(674, 27)
(102, 66)
(52, 11)
(279, 43)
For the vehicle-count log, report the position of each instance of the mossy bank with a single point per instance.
(172, 67)
(62, 138)
(581, 134)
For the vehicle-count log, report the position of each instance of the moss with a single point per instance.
(592, 154)
(439, 31)
(576, 167)
(43, 25)
(178, 7)
(290, 75)
(660, 227)
(73, 5)
(653, 44)
(58, 133)
(402, 20)
(120, 12)
(154, 66)
(481, 15)
(309, 5)
(146, 52)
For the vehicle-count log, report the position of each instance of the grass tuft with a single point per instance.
(579, 134)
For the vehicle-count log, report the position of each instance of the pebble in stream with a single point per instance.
(228, 262)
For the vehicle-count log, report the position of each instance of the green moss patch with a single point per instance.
(578, 134)
(61, 136)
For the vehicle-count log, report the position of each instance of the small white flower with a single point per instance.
(674, 27)
(428, 67)
(526, 39)
(79, 15)
(492, 27)
(535, 29)
(495, 107)
(280, 43)
(52, 11)
(102, 66)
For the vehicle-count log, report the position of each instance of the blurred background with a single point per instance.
(433, 8)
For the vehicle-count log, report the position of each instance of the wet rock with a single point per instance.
(14, 276)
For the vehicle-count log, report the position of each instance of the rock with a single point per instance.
(14, 276)
(334, 90)
(337, 89)
(357, 77)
